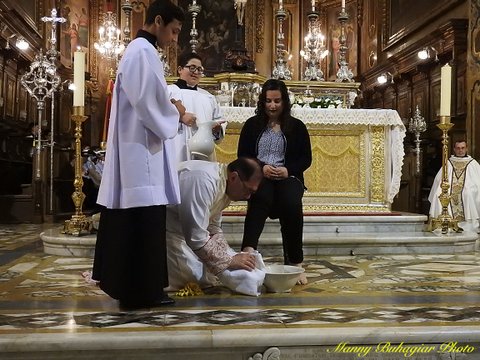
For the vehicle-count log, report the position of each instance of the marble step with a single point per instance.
(364, 243)
(402, 233)
(323, 235)
(335, 224)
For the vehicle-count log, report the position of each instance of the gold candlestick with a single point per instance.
(79, 221)
(444, 220)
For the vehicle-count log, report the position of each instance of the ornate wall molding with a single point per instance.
(272, 353)
(260, 26)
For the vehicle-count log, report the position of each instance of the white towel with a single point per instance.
(244, 281)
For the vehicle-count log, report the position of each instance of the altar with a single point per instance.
(357, 157)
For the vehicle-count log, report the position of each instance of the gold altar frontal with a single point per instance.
(357, 157)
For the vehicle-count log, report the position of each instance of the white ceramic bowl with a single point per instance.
(281, 278)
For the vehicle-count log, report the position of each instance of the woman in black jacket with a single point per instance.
(282, 144)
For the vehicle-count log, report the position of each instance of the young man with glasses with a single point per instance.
(197, 101)
(197, 249)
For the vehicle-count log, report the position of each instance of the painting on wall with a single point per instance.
(74, 33)
(333, 42)
(218, 32)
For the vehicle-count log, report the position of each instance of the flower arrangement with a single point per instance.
(326, 102)
(323, 102)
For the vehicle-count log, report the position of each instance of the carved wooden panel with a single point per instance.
(399, 22)
(9, 95)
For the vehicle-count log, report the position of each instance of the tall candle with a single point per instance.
(343, 5)
(313, 5)
(280, 4)
(79, 78)
(445, 90)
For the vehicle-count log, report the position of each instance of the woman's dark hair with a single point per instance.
(184, 58)
(274, 84)
(166, 9)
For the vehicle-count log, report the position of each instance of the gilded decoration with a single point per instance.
(338, 166)
(226, 151)
(354, 208)
(378, 164)
(260, 26)
(357, 157)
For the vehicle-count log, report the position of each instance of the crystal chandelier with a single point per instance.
(314, 50)
(109, 44)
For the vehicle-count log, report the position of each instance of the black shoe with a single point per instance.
(164, 300)
(129, 305)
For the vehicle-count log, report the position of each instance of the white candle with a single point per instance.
(313, 5)
(280, 4)
(79, 78)
(343, 5)
(445, 90)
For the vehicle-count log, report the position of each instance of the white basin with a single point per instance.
(281, 278)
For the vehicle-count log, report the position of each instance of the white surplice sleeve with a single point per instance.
(148, 94)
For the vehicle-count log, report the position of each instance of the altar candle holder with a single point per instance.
(444, 221)
(194, 9)
(127, 8)
(344, 74)
(417, 126)
(79, 222)
(281, 69)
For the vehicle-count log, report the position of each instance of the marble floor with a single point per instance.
(374, 307)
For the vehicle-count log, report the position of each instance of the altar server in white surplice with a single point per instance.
(139, 176)
(196, 100)
(196, 247)
(464, 179)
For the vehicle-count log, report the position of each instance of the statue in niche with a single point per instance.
(240, 7)
(236, 58)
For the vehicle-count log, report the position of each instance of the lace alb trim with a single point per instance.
(372, 117)
(215, 254)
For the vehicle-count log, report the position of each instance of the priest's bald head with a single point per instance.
(244, 177)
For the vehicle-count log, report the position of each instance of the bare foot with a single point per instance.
(302, 280)
(248, 249)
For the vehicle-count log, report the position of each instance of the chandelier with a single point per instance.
(314, 50)
(109, 44)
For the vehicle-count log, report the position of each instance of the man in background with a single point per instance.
(464, 179)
